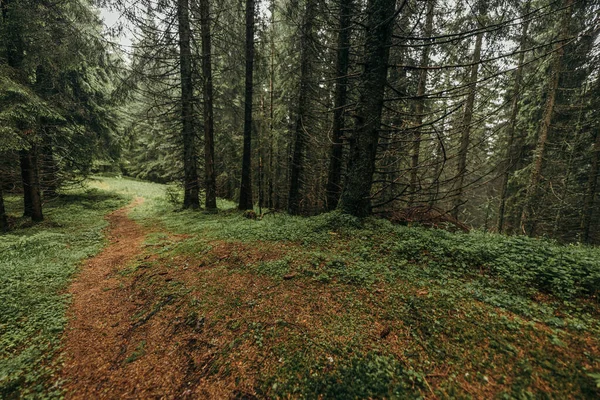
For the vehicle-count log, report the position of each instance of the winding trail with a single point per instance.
(100, 314)
(124, 339)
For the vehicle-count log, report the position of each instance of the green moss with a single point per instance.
(464, 304)
(36, 264)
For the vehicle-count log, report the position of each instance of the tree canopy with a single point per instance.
(477, 114)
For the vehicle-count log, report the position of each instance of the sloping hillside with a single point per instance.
(198, 305)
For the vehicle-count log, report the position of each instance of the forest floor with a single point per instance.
(196, 305)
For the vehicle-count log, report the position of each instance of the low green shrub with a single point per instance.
(35, 267)
(520, 262)
(364, 376)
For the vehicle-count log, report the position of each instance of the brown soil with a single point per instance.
(100, 314)
(129, 334)
(127, 338)
(152, 324)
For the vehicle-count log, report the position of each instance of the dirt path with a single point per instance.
(125, 338)
(100, 314)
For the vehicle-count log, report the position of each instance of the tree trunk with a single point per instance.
(420, 107)
(32, 200)
(49, 178)
(440, 161)
(390, 154)
(356, 195)
(45, 88)
(261, 178)
(259, 154)
(246, 202)
(512, 124)
(3, 218)
(588, 209)
(532, 193)
(334, 177)
(271, 176)
(297, 167)
(209, 146)
(465, 138)
(25, 164)
(190, 181)
(15, 53)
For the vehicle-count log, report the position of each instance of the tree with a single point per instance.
(467, 118)
(271, 173)
(191, 189)
(420, 106)
(591, 190)
(152, 102)
(209, 147)
(297, 167)
(15, 56)
(356, 195)
(334, 179)
(20, 109)
(511, 156)
(246, 201)
(527, 217)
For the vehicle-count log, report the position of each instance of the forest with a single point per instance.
(475, 115)
(299, 199)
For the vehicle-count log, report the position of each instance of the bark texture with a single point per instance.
(190, 180)
(210, 180)
(356, 195)
(32, 200)
(246, 202)
(300, 139)
(334, 177)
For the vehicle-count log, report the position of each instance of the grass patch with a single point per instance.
(391, 311)
(334, 307)
(360, 376)
(520, 264)
(36, 264)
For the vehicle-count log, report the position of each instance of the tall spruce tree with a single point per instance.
(528, 219)
(207, 90)
(334, 178)
(191, 197)
(246, 201)
(356, 195)
(300, 134)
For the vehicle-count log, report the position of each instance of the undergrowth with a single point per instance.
(518, 262)
(36, 263)
(357, 377)
(384, 311)
(506, 271)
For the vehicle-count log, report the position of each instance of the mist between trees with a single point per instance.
(479, 114)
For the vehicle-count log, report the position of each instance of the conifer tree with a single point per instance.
(356, 195)
(191, 190)
(207, 90)
(246, 201)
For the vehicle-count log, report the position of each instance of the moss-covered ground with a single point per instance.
(320, 307)
(36, 264)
